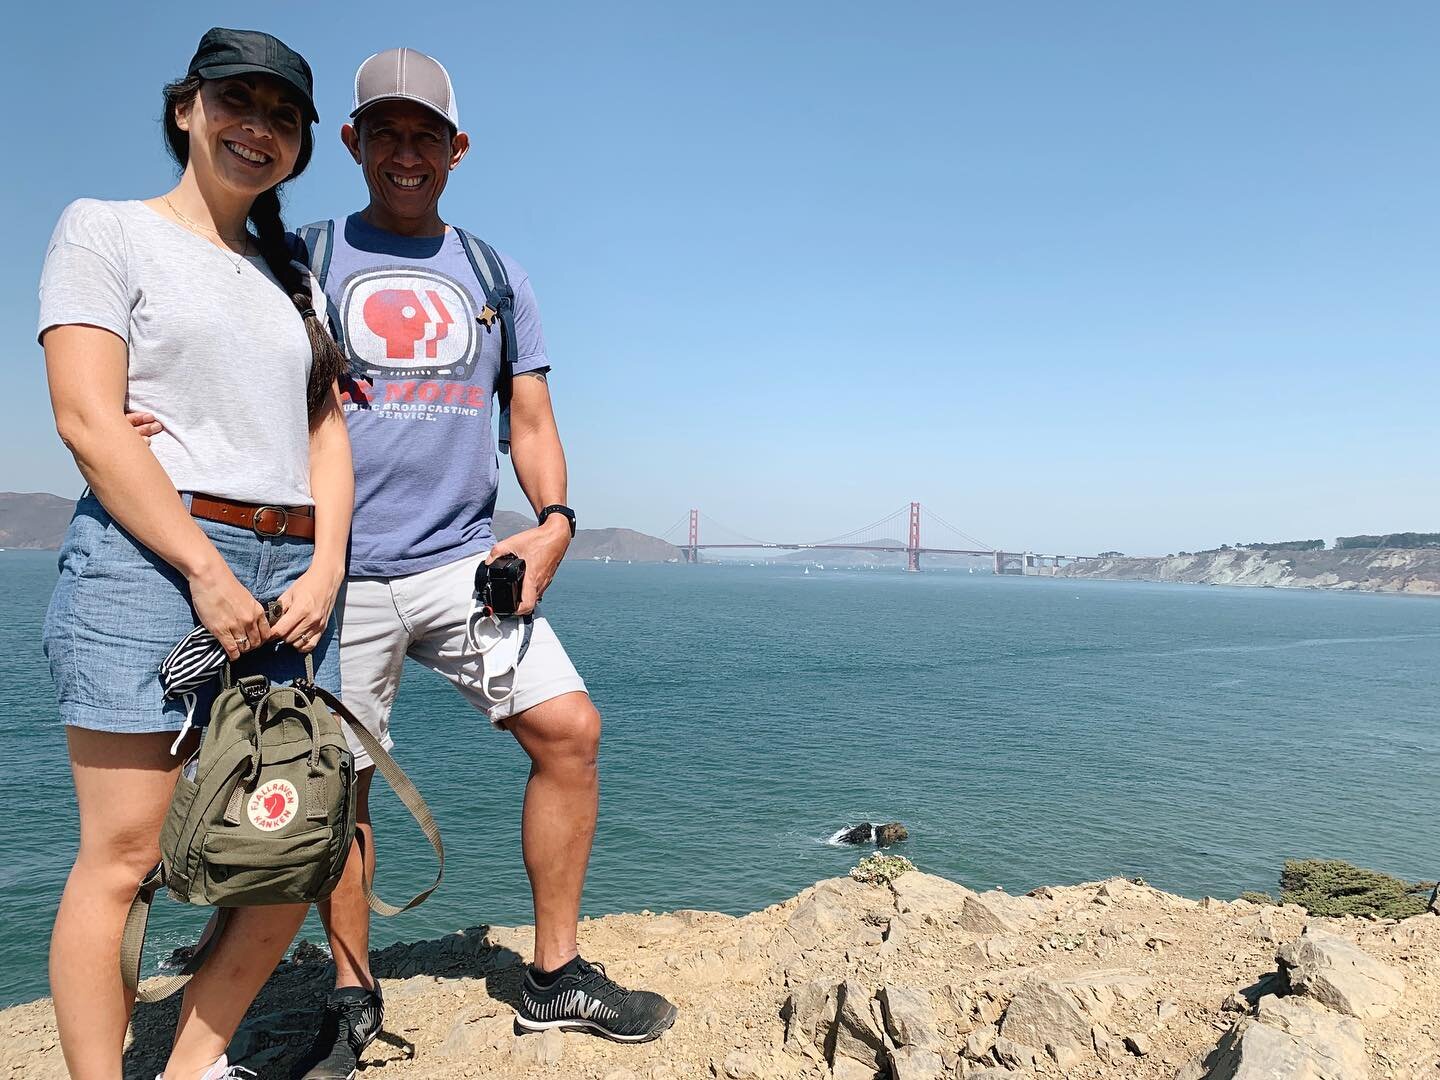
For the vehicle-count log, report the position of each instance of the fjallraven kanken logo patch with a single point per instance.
(273, 805)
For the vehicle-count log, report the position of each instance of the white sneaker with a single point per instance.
(222, 1070)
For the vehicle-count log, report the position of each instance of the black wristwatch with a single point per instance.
(563, 511)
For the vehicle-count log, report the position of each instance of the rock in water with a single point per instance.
(891, 833)
(860, 834)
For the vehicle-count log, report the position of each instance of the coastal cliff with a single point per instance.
(1391, 570)
(918, 978)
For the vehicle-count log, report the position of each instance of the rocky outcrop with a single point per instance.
(1407, 570)
(879, 835)
(916, 979)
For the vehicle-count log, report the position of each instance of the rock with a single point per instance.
(1014, 1055)
(983, 918)
(307, 952)
(859, 834)
(926, 894)
(179, 957)
(1435, 899)
(471, 1035)
(547, 1049)
(1138, 1043)
(910, 1017)
(1097, 992)
(809, 1014)
(620, 1074)
(850, 1069)
(741, 1066)
(1065, 1057)
(916, 1063)
(857, 1034)
(1338, 1042)
(817, 919)
(891, 833)
(1042, 1014)
(1339, 975)
(980, 1042)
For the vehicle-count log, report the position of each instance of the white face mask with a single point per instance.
(500, 652)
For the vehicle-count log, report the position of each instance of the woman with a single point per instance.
(173, 307)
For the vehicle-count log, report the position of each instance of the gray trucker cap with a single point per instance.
(405, 75)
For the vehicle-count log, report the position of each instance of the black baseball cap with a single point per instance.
(223, 53)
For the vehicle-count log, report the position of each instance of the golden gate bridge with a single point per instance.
(878, 536)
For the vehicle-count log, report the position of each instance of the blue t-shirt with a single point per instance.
(419, 397)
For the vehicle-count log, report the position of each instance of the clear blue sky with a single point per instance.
(1078, 276)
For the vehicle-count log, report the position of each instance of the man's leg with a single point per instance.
(558, 727)
(562, 797)
(345, 912)
(373, 638)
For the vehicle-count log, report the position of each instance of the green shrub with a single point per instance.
(1264, 899)
(881, 869)
(1331, 887)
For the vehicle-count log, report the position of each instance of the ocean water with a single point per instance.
(1027, 731)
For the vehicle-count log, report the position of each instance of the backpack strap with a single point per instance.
(318, 241)
(132, 942)
(403, 787)
(499, 304)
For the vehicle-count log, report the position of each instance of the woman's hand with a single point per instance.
(227, 610)
(306, 608)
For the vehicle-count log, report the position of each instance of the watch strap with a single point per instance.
(558, 508)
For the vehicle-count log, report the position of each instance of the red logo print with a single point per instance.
(273, 805)
(399, 316)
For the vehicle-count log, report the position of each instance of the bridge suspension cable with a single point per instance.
(959, 532)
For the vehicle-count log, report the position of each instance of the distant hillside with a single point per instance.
(33, 519)
(38, 520)
(1412, 570)
(625, 545)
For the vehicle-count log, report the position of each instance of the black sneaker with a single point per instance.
(584, 998)
(351, 1021)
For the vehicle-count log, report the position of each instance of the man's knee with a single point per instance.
(563, 731)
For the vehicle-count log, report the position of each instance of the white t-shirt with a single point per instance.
(217, 350)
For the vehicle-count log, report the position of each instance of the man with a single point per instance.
(424, 338)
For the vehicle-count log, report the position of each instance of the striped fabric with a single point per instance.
(195, 660)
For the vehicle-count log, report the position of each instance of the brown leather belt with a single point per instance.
(269, 521)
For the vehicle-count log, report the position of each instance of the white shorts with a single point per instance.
(423, 616)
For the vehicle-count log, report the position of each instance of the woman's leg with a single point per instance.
(123, 785)
(253, 943)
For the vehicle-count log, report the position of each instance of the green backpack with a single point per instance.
(264, 813)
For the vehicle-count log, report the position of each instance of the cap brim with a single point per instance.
(226, 71)
(406, 97)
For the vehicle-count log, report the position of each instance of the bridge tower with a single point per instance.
(692, 551)
(912, 549)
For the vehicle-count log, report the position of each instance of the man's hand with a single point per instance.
(144, 424)
(542, 548)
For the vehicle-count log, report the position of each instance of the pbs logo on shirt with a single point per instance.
(409, 323)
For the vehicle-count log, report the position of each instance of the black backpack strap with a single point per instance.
(132, 942)
(499, 304)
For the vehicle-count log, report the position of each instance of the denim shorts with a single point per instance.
(118, 609)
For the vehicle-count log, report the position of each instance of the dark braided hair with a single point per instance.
(327, 361)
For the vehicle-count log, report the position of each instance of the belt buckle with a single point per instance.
(280, 529)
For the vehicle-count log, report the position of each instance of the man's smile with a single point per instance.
(405, 183)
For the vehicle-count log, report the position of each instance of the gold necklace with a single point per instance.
(193, 225)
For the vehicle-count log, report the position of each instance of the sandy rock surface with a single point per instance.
(921, 980)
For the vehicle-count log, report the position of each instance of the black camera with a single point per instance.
(499, 584)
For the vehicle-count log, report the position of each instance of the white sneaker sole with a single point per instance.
(581, 1024)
